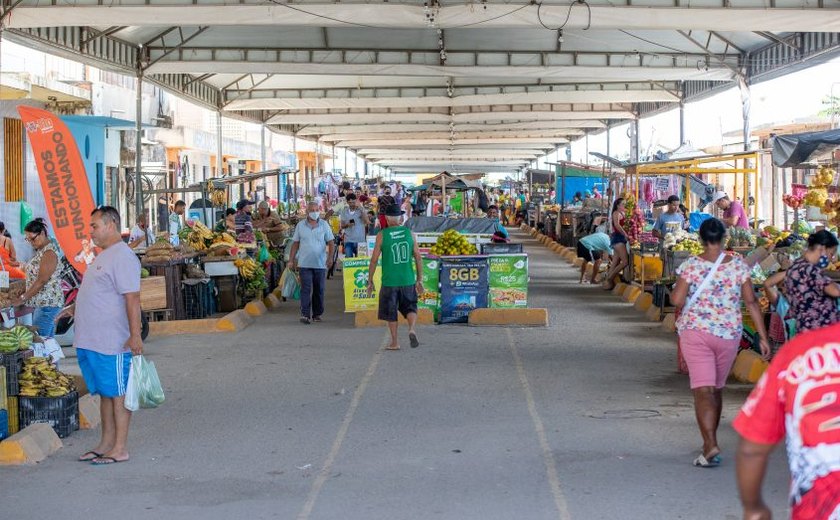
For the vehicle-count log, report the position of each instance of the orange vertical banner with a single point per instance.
(64, 183)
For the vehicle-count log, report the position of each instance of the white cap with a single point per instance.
(719, 195)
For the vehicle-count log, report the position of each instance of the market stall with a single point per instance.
(456, 280)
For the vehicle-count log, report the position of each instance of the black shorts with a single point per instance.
(393, 299)
(586, 254)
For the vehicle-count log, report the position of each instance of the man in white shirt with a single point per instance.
(354, 221)
(176, 220)
(141, 235)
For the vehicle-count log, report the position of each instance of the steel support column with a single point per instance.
(138, 147)
(219, 143)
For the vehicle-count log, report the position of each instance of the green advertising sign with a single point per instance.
(508, 281)
(430, 299)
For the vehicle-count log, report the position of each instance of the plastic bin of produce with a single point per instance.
(61, 413)
(14, 364)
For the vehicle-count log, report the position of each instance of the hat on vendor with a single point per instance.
(244, 203)
(394, 211)
(719, 195)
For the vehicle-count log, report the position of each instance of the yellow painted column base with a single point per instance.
(234, 321)
(619, 289)
(32, 444)
(669, 323)
(371, 318)
(643, 302)
(89, 417)
(256, 308)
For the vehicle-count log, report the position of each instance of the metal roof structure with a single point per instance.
(472, 85)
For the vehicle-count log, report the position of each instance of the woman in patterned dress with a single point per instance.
(813, 295)
(710, 327)
(43, 280)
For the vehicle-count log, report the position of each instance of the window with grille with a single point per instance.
(13, 159)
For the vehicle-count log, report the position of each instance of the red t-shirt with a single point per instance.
(798, 397)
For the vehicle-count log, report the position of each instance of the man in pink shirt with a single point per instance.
(733, 212)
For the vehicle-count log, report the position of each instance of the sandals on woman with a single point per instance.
(702, 462)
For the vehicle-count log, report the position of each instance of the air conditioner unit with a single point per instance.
(163, 121)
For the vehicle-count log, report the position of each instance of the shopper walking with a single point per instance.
(796, 399)
(813, 295)
(354, 222)
(107, 331)
(311, 242)
(618, 241)
(383, 202)
(709, 289)
(43, 279)
(401, 282)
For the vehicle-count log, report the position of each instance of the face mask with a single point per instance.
(823, 262)
(314, 215)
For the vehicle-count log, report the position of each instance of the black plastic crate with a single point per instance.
(14, 364)
(199, 298)
(62, 413)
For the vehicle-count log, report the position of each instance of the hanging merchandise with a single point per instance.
(25, 215)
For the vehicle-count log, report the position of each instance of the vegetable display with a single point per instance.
(452, 243)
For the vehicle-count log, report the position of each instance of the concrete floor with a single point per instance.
(586, 419)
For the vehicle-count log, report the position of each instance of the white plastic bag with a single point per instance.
(132, 391)
(144, 389)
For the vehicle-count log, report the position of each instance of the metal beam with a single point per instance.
(440, 127)
(520, 98)
(429, 117)
(182, 40)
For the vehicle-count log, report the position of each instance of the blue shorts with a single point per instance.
(105, 374)
(617, 238)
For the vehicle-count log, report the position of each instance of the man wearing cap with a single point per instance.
(733, 212)
(243, 226)
(670, 220)
(401, 282)
(312, 238)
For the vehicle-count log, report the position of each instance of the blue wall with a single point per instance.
(91, 142)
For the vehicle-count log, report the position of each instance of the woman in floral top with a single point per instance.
(710, 327)
(43, 280)
(813, 295)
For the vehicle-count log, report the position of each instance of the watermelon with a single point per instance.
(8, 342)
(23, 335)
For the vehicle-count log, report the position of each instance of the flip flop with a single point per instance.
(414, 341)
(84, 457)
(105, 461)
(392, 348)
(702, 462)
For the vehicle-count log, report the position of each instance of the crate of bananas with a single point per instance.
(40, 378)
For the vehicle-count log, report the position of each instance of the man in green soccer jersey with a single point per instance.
(401, 282)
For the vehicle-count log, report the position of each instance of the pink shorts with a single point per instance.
(709, 358)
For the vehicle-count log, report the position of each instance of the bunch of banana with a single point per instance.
(247, 267)
(224, 238)
(40, 378)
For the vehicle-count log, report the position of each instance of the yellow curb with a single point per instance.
(32, 444)
(631, 293)
(588, 270)
(533, 232)
(643, 302)
(619, 289)
(578, 262)
(255, 308)
(278, 292)
(176, 327)
(670, 322)
(652, 313)
(234, 321)
(516, 317)
(89, 417)
(272, 302)
(371, 319)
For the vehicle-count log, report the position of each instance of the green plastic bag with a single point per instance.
(25, 215)
(144, 389)
(263, 255)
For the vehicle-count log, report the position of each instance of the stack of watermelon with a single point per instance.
(14, 339)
